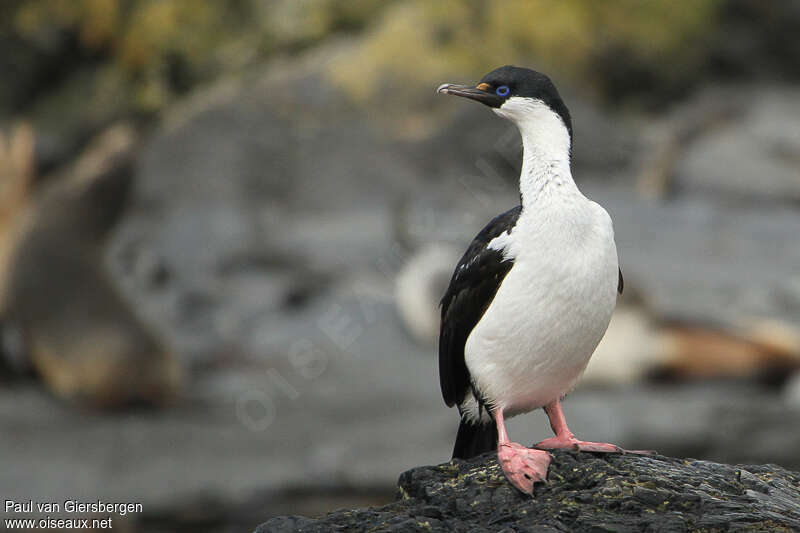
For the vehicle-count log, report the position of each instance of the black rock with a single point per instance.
(584, 492)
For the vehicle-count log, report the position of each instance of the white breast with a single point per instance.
(550, 312)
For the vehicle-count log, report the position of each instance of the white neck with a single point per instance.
(545, 150)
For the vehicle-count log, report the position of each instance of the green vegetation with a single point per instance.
(141, 54)
(420, 43)
(158, 49)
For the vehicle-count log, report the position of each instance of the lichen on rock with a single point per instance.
(584, 492)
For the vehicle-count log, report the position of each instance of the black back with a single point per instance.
(472, 288)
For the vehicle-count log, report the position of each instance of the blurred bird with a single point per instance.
(533, 295)
(419, 285)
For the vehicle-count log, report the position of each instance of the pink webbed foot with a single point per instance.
(571, 443)
(523, 466)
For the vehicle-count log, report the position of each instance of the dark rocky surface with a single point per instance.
(351, 460)
(584, 492)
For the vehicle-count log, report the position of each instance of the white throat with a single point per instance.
(545, 150)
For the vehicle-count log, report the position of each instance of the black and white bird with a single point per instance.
(533, 295)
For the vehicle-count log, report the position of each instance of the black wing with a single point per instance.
(620, 283)
(472, 287)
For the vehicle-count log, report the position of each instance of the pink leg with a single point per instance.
(522, 466)
(564, 438)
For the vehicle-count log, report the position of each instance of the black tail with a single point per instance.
(475, 439)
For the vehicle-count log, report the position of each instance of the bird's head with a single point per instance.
(524, 96)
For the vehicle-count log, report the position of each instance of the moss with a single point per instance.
(418, 44)
(162, 48)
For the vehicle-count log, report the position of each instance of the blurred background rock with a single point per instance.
(225, 227)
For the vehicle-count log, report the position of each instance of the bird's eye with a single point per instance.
(503, 90)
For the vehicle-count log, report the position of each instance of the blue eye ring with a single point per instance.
(503, 90)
